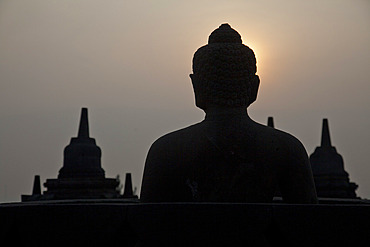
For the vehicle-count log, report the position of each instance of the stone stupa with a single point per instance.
(82, 176)
(331, 180)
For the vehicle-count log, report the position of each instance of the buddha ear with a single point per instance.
(255, 83)
(198, 92)
(194, 81)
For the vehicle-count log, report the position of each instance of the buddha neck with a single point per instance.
(225, 113)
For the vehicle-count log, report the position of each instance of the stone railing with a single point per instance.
(119, 222)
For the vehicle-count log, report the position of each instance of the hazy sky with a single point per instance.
(129, 63)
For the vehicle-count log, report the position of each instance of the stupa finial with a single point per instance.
(128, 191)
(270, 122)
(325, 135)
(128, 186)
(36, 186)
(83, 131)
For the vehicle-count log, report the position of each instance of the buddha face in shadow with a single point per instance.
(224, 72)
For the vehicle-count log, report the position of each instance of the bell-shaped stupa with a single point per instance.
(331, 180)
(82, 176)
(82, 156)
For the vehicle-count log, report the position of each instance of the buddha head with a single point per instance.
(224, 71)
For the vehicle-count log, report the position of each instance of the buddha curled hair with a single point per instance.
(225, 68)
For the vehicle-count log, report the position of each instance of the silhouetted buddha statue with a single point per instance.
(227, 157)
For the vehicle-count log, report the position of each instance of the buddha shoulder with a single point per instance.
(279, 143)
(173, 140)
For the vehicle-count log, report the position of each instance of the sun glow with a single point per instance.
(258, 52)
(253, 39)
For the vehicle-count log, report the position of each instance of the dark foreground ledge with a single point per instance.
(103, 222)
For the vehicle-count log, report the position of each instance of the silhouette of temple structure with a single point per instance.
(331, 180)
(81, 176)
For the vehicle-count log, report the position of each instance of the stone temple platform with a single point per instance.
(125, 223)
